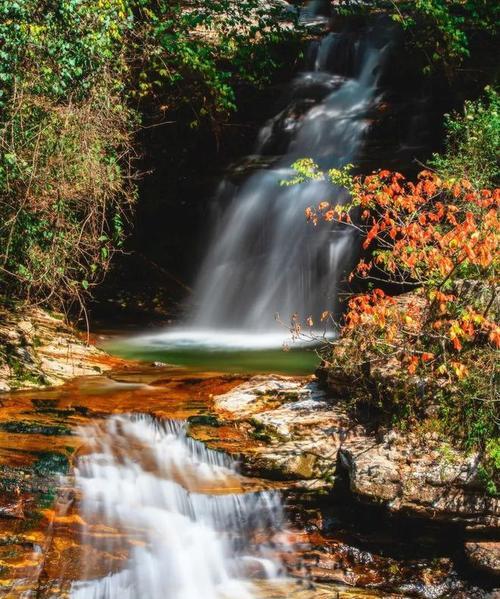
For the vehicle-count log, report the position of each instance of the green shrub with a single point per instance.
(429, 357)
(439, 30)
(191, 54)
(490, 468)
(473, 139)
(64, 194)
(73, 77)
(65, 133)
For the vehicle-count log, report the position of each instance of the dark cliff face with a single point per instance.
(182, 166)
(180, 170)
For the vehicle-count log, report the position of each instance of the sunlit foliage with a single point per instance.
(441, 30)
(421, 339)
(74, 76)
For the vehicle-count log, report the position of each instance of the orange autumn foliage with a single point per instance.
(434, 236)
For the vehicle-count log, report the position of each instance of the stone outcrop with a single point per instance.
(308, 439)
(286, 428)
(302, 430)
(306, 436)
(38, 349)
(422, 477)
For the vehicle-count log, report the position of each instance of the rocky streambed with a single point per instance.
(410, 483)
(381, 515)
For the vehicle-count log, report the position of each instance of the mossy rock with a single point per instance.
(50, 463)
(31, 427)
(44, 403)
(261, 435)
(261, 432)
(282, 467)
(64, 412)
(204, 420)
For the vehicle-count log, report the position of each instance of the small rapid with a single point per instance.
(164, 517)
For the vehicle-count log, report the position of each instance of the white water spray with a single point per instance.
(168, 504)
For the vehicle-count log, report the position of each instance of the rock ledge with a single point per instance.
(38, 349)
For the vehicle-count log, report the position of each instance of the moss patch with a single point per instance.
(50, 463)
(204, 420)
(31, 427)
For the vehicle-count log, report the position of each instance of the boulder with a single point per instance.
(421, 477)
(300, 425)
(304, 433)
(484, 555)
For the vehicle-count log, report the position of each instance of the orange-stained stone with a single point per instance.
(56, 531)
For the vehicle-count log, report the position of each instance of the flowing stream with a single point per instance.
(162, 516)
(154, 514)
(176, 509)
(147, 490)
(144, 511)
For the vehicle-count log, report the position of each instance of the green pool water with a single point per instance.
(297, 361)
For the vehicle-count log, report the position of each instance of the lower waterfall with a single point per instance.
(175, 510)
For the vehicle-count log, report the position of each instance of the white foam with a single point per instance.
(205, 339)
(141, 479)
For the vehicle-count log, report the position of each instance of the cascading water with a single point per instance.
(265, 258)
(168, 504)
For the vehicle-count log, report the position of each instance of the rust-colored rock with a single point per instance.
(484, 555)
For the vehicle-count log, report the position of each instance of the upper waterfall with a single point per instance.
(265, 259)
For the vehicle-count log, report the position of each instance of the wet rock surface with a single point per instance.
(310, 439)
(39, 441)
(306, 433)
(300, 428)
(284, 430)
(38, 349)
